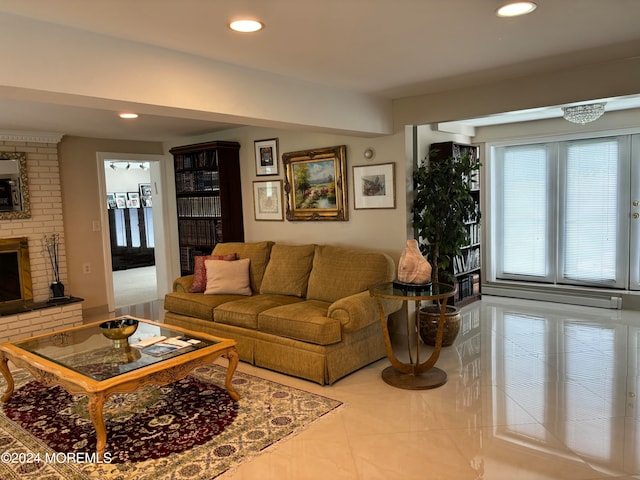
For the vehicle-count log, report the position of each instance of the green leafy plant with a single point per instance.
(442, 207)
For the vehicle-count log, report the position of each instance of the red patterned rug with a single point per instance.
(191, 429)
(152, 422)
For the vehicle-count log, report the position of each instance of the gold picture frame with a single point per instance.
(315, 184)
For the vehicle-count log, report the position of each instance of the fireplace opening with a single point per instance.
(15, 271)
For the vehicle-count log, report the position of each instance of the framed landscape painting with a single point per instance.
(315, 182)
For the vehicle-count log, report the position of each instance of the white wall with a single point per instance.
(83, 68)
(122, 180)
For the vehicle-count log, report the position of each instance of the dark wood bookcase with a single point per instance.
(467, 266)
(208, 198)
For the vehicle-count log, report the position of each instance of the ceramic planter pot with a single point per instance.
(429, 317)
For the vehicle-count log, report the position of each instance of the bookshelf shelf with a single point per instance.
(208, 198)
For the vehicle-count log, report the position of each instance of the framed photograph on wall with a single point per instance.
(121, 200)
(315, 184)
(111, 201)
(266, 156)
(145, 194)
(374, 186)
(267, 200)
(133, 200)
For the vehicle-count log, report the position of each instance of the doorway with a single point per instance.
(133, 240)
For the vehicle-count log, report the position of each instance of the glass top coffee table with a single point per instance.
(84, 361)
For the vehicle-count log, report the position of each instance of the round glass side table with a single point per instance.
(415, 375)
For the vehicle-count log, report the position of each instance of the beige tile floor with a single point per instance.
(134, 286)
(535, 391)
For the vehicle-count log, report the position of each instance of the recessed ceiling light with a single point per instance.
(246, 26)
(128, 115)
(513, 9)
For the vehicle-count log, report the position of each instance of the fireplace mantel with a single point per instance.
(17, 308)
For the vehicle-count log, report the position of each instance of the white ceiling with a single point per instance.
(385, 48)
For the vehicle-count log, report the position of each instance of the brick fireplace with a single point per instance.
(46, 218)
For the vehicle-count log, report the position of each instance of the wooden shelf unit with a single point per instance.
(208, 198)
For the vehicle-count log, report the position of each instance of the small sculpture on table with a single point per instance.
(414, 271)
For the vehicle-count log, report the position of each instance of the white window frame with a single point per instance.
(622, 238)
(492, 180)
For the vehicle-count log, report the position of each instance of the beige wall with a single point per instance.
(382, 229)
(81, 202)
(599, 80)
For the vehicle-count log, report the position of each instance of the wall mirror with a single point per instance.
(14, 186)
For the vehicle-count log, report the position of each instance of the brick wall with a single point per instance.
(46, 218)
(25, 325)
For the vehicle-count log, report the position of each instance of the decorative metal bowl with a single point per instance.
(119, 330)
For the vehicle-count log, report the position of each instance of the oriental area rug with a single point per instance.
(190, 429)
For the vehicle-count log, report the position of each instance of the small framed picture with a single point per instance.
(121, 200)
(145, 194)
(133, 200)
(266, 156)
(267, 200)
(111, 201)
(374, 186)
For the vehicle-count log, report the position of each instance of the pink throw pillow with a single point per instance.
(230, 278)
(200, 273)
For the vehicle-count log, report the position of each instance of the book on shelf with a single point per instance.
(199, 206)
(473, 234)
(187, 255)
(197, 181)
(203, 159)
(197, 232)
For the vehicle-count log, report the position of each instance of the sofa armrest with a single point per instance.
(183, 284)
(357, 311)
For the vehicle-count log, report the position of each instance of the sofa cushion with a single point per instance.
(339, 272)
(227, 277)
(288, 270)
(199, 283)
(196, 304)
(306, 321)
(244, 313)
(258, 254)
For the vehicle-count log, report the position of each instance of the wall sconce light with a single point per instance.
(369, 153)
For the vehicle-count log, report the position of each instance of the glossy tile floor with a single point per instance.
(535, 391)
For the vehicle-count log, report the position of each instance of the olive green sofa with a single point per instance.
(308, 313)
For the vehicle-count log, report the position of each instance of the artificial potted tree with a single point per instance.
(443, 205)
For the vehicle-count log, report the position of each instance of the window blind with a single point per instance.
(590, 211)
(525, 222)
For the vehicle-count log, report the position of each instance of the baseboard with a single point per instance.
(572, 298)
